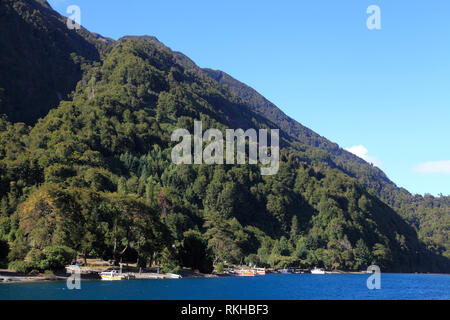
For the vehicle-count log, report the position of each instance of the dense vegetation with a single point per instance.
(52, 58)
(430, 216)
(430, 212)
(94, 177)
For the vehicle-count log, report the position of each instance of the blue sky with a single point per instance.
(384, 94)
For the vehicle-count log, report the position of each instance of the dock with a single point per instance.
(149, 276)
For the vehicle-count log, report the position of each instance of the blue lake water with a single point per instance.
(269, 287)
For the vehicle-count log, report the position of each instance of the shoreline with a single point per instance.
(9, 277)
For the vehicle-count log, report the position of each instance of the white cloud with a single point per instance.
(363, 153)
(434, 167)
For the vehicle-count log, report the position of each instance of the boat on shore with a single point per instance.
(244, 273)
(112, 275)
(317, 271)
(285, 271)
(259, 271)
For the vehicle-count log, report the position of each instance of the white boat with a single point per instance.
(317, 271)
(244, 273)
(174, 276)
(112, 275)
(259, 271)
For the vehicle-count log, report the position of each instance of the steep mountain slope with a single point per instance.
(433, 224)
(94, 176)
(432, 221)
(107, 144)
(41, 59)
(369, 175)
(262, 106)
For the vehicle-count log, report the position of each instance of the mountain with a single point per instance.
(94, 176)
(42, 60)
(430, 216)
(433, 223)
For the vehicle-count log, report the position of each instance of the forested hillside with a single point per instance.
(41, 60)
(95, 177)
(429, 215)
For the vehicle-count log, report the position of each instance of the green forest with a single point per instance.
(89, 173)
